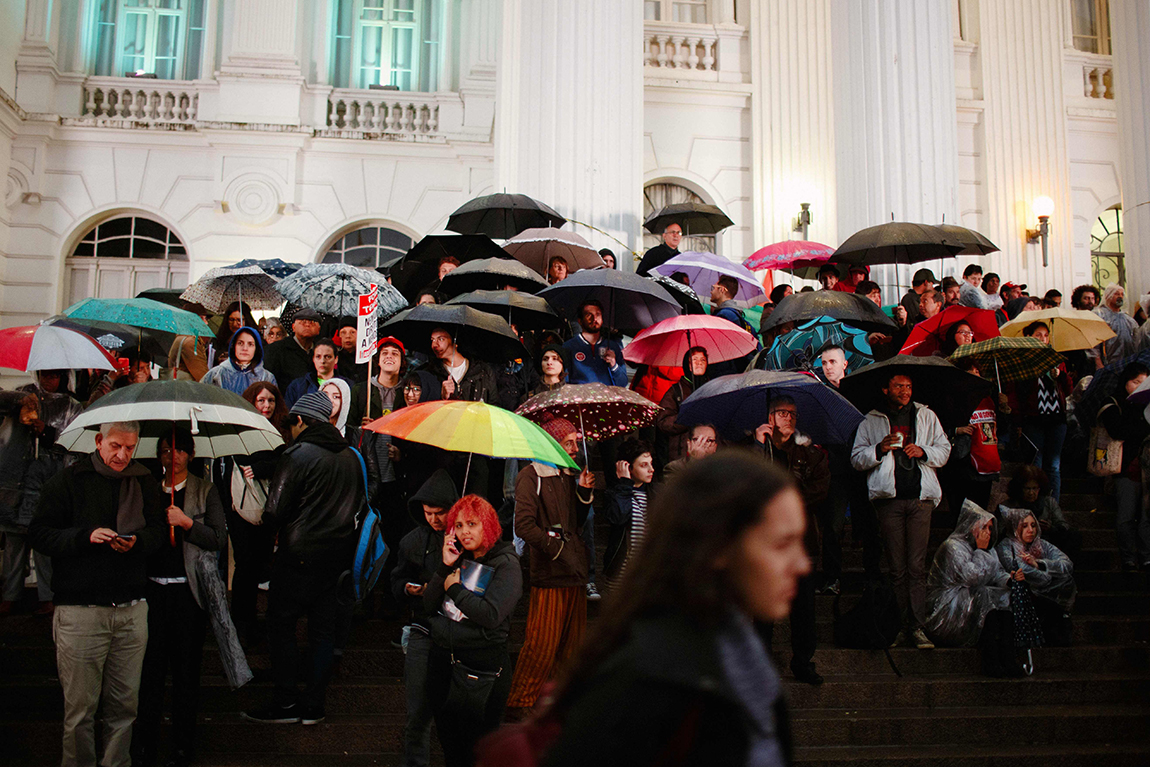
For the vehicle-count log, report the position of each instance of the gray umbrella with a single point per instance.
(334, 289)
(478, 334)
(630, 302)
(522, 310)
(848, 308)
(897, 242)
(491, 274)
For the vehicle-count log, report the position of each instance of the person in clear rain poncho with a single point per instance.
(966, 580)
(1049, 572)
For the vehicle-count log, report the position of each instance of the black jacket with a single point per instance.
(488, 622)
(315, 497)
(421, 550)
(656, 256)
(287, 361)
(73, 504)
(478, 384)
(617, 511)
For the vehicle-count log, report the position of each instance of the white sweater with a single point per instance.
(929, 435)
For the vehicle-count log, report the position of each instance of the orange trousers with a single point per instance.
(556, 621)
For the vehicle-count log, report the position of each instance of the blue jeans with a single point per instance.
(1048, 439)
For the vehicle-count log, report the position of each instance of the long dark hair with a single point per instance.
(279, 414)
(704, 511)
(224, 336)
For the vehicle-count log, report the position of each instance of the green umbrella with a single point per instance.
(139, 313)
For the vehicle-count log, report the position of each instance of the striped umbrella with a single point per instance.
(47, 347)
(1011, 359)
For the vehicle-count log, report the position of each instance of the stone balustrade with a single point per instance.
(680, 47)
(138, 100)
(1098, 81)
(384, 112)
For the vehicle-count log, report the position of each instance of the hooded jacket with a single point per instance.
(421, 550)
(314, 499)
(668, 424)
(488, 622)
(17, 443)
(965, 583)
(477, 385)
(1053, 576)
(806, 462)
(929, 435)
(233, 376)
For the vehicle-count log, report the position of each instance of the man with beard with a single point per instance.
(595, 358)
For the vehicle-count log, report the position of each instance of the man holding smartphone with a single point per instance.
(99, 519)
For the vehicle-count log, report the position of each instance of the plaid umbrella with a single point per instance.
(334, 289)
(599, 411)
(801, 349)
(536, 247)
(1103, 386)
(927, 337)
(1070, 329)
(276, 267)
(226, 284)
(801, 258)
(1010, 359)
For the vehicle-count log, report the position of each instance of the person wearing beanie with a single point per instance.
(551, 508)
(313, 501)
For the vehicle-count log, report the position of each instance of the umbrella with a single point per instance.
(694, 217)
(737, 405)
(1070, 329)
(502, 216)
(478, 334)
(109, 341)
(801, 258)
(703, 269)
(600, 411)
(897, 243)
(154, 343)
(665, 343)
(139, 313)
(276, 267)
(419, 268)
(1011, 359)
(629, 301)
(536, 247)
(974, 244)
(928, 336)
(334, 289)
(226, 284)
(171, 297)
(938, 384)
(50, 347)
(801, 348)
(684, 295)
(520, 309)
(491, 274)
(1141, 395)
(1103, 386)
(851, 309)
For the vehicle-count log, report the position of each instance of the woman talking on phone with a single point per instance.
(469, 601)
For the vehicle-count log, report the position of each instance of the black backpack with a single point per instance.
(873, 623)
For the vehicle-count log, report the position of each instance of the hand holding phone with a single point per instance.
(451, 550)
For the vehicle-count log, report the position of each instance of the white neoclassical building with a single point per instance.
(146, 141)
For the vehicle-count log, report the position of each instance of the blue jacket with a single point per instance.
(588, 367)
(234, 377)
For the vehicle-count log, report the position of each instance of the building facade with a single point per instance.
(147, 141)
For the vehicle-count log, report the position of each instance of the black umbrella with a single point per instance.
(973, 243)
(951, 393)
(694, 217)
(630, 302)
(897, 242)
(491, 274)
(502, 216)
(154, 344)
(479, 335)
(849, 308)
(420, 267)
(684, 295)
(171, 297)
(523, 310)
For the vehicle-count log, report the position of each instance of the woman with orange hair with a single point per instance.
(470, 600)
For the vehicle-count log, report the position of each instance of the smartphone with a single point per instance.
(125, 537)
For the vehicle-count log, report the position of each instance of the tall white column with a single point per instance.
(895, 116)
(570, 112)
(36, 66)
(1130, 37)
(260, 79)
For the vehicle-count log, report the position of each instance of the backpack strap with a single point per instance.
(363, 472)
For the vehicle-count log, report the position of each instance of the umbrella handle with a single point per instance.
(467, 472)
(586, 458)
(171, 479)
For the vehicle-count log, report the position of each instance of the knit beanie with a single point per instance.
(314, 404)
(558, 428)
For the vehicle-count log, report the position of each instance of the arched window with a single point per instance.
(368, 247)
(122, 256)
(657, 196)
(1107, 258)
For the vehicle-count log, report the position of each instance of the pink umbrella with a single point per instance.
(48, 347)
(791, 255)
(666, 342)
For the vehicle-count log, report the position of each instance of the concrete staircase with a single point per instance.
(1087, 704)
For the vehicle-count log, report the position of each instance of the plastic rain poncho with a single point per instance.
(965, 583)
(1053, 578)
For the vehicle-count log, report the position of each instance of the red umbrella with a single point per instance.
(666, 342)
(48, 347)
(791, 255)
(928, 336)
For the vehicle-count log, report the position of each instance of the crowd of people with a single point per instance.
(710, 536)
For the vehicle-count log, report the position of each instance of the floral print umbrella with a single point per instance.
(801, 349)
(598, 411)
(334, 289)
(226, 284)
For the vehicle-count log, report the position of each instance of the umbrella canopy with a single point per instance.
(523, 310)
(479, 335)
(1141, 395)
(1070, 329)
(491, 274)
(736, 405)
(1103, 386)
(502, 216)
(473, 427)
(109, 341)
(974, 244)
(854, 310)
(801, 348)
(897, 242)
(334, 289)
(928, 336)
(276, 267)
(420, 267)
(695, 218)
(171, 297)
(666, 342)
(938, 384)
(630, 302)
(598, 411)
(684, 295)
(704, 269)
(139, 313)
(226, 284)
(799, 257)
(49, 347)
(1006, 360)
(154, 343)
(536, 247)
(221, 422)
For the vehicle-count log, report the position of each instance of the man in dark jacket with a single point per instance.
(314, 500)
(99, 519)
(551, 507)
(290, 358)
(663, 252)
(420, 555)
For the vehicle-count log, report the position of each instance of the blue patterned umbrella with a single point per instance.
(801, 348)
(334, 289)
(276, 267)
(737, 405)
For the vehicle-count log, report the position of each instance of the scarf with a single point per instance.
(756, 685)
(130, 511)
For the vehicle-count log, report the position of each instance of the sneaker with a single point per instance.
(274, 714)
(899, 640)
(312, 715)
(831, 588)
(592, 593)
(918, 636)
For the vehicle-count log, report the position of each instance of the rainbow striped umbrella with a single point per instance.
(473, 427)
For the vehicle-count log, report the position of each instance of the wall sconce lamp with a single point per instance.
(1043, 208)
(803, 221)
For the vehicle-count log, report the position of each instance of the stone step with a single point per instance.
(1118, 754)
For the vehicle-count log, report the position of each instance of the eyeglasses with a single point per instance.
(412, 388)
(965, 333)
(786, 413)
